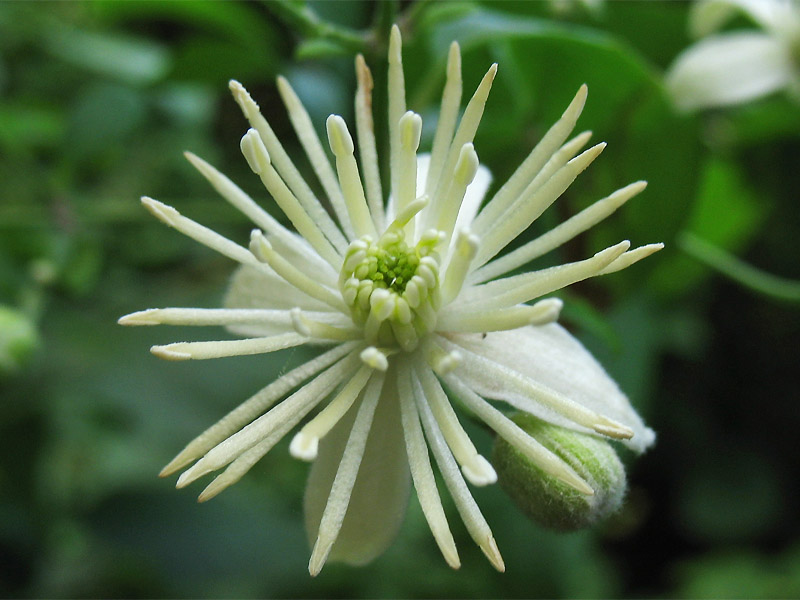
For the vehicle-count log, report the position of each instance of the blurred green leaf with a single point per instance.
(18, 339)
(24, 127)
(741, 573)
(103, 117)
(137, 61)
(727, 213)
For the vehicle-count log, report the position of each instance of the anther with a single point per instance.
(254, 151)
(374, 358)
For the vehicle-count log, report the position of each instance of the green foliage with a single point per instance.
(97, 102)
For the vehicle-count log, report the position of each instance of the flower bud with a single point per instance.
(547, 500)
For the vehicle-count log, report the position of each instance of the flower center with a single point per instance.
(392, 288)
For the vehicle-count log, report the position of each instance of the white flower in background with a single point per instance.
(405, 298)
(737, 66)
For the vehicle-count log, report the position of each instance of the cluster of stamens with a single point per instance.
(392, 288)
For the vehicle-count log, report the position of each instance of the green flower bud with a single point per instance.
(547, 500)
(18, 339)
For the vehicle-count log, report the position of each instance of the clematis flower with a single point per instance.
(737, 66)
(406, 298)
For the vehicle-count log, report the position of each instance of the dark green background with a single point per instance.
(97, 102)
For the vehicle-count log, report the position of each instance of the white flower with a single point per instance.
(737, 66)
(406, 297)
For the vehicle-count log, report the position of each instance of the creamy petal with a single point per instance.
(729, 69)
(710, 15)
(550, 356)
(380, 496)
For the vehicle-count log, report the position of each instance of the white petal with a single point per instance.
(380, 496)
(251, 288)
(552, 357)
(710, 15)
(728, 69)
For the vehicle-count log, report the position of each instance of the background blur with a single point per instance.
(97, 102)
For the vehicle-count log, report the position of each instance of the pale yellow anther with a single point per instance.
(341, 141)
(411, 294)
(304, 447)
(260, 246)
(374, 358)
(467, 165)
(466, 247)
(402, 310)
(428, 270)
(382, 303)
(546, 311)
(254, 151)
(444, 362)
(478, 471)
(408, 213)
(410, 131)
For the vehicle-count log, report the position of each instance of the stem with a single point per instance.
(306, 21)
(741, 272)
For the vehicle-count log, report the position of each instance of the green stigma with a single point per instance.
(392, 288)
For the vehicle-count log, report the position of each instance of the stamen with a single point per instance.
(375, 358)
(443, 362)
(306, 442)
(523, 288)
(262, 430)
(514, 435)
(451, 102)
(538, 157)
(216, 316)
(564, 232)
(342, 488)
(631, 256)
(528, 207)
(263, 251)
(205, 350)
(410, 130)
(543, 312)
(449, 206)
(466, 247)
(313, 146)
(466, 129)
(405, 215)
(421, 472)
(254, 406)
(207, 237)
(285, 167)
(476, 468)
(525, 394)
(397, 106)
(321, 331)
(258, 159)
(365, 131)
(242, 202)
(356, 204)
(475, 522)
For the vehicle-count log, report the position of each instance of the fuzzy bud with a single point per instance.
(549, 501)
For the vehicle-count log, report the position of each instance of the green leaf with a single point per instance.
(137, 61)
